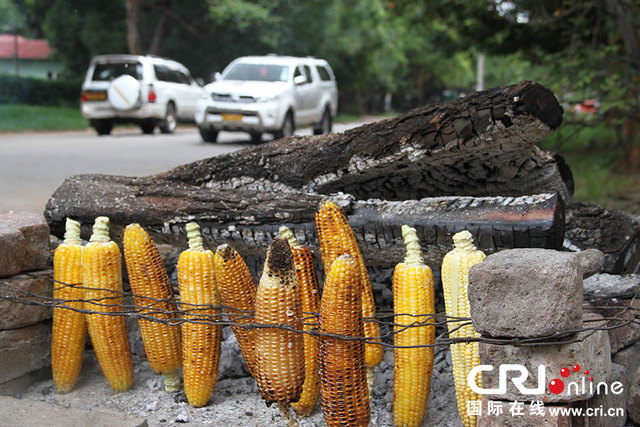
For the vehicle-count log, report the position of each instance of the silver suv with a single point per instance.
(147, 90)
(273, 94)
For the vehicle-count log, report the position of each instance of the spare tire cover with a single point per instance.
(123, 93)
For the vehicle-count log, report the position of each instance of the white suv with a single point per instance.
(273, 94)
(147, 90)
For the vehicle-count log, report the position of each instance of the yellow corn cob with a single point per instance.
(279, 352)
(153, 296)
(69, 332)
(413, 295)
(336, 238)
(200, 341)
(102, 277)
(238, 290)
(343, 374)
(455, 281)
(308, 282)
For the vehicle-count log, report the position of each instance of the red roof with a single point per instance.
(27, 48)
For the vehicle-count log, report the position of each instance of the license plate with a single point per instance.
(96, 96)
(232, 117)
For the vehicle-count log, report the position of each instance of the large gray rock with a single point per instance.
(529, 292)
(24, 242)
(27, 412)
(16, 311)
(24, 350)
(590, 350)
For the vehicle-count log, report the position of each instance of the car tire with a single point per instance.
(102, 127)
(256, 137)
(170, 121)
(287, 128)
(208, 135)
(325, 125)
(147, 127)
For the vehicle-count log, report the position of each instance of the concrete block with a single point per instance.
(30, 287)
(591, 351)
(27, 412)
(526, 293)
(24, 242)
(24, 350)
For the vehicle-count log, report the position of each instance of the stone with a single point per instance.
(24, 350)
(610, 401)
(633, 401)
(526, 293)
(24, 242)
(525, 414)
(27, 412)
(15, 314)
(611, 286)
(589, 349)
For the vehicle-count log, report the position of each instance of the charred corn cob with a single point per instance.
(308, 283)
(343, 377)
(102, 278)
(413, 300)
(336, 238)
(200, 341)
(279, 352)
(69, 332)
(455, 281)
(238, 294)
(153, 297)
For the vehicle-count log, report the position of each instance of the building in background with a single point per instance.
(27, 57)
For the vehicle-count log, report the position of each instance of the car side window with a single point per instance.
(307, 71)
(162, 73)
(323, 73)
(297, 73)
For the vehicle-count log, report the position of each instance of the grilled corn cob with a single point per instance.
(102, 278)
(69, 332)
(455, 281)
(336, 238)
(308, 283)
(413, 298)
(343, 377)
(280, 352)
(153, 296)
(238, 290)
(200, 341)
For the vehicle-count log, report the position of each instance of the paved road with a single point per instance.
(33, 165)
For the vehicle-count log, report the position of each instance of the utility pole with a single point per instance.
(480, 72)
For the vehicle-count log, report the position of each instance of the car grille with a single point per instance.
(227, 97)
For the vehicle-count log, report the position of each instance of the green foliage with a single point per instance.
(20, 118)
(27, 90)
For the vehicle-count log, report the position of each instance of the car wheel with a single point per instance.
(168, 125)
(102, 127)
(287, 128)
(256, 137)
(208, 135)
(147, 126)
(326, 123)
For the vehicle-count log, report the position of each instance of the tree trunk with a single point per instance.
(133, 26)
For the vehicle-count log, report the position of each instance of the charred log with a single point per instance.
(480, 145)
(249, 220)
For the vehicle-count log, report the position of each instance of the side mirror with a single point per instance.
(299, 80)
(217, 76)
(199, 82)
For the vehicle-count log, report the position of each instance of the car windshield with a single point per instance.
(107, 71)
(257, 72)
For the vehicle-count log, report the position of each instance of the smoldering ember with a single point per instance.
(468, 164)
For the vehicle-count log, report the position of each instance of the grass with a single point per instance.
(599, 172)
(21, 118)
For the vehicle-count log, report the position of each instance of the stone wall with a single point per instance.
(538, 311)
(25, 271)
